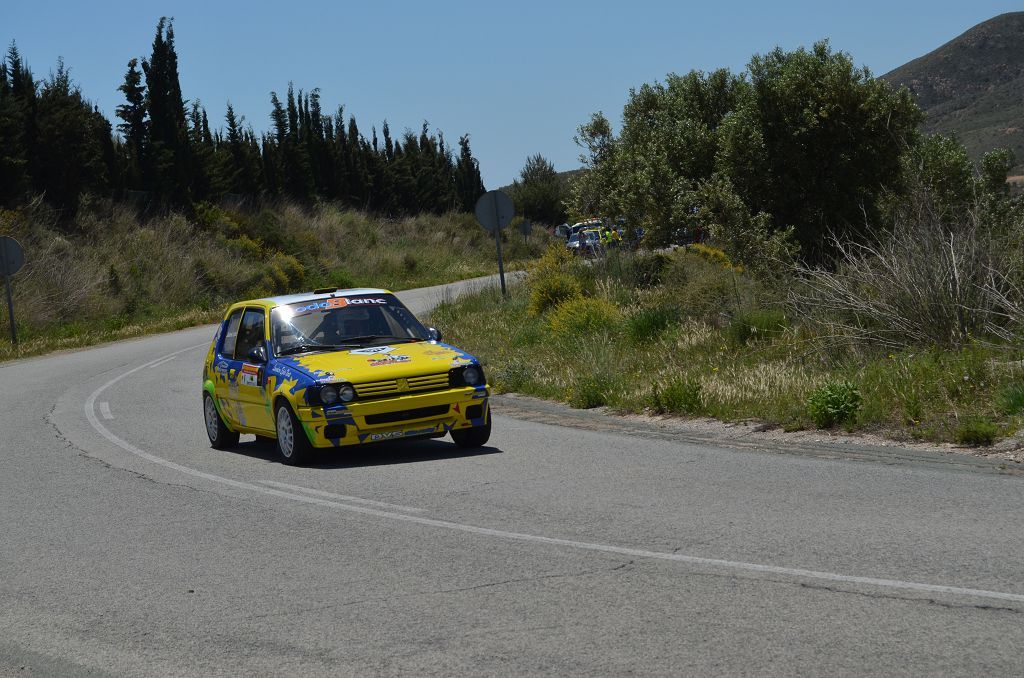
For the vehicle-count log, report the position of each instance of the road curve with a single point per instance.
(129, 547)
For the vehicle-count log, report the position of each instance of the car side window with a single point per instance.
(250, 334)
(231, 333)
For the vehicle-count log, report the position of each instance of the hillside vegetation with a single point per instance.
(109, 275)
(859, 274)
(973, 86)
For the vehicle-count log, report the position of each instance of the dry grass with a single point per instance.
(110, 275)
(693, 366)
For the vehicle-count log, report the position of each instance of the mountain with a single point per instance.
(973, 86)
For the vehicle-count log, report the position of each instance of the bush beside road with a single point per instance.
(113, 276)
(687, 333)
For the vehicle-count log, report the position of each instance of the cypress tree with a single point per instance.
(135, 127)
(169, 161)
(14, 180)
(69, 157)
(468, 184)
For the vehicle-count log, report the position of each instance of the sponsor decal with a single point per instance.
(374, 437)
(461, 361)
(392, 359)
(372, 350)
(222, 367)
(250, 375)
(285, 373)
(442, 351)
(339, 302)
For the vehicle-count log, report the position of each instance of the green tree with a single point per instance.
(170, 162)
(15, 104)
(134, 127)
(817, 142)
(539, 191)
(468, 184)
(995, 168)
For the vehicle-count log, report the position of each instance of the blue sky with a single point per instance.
(517, 76)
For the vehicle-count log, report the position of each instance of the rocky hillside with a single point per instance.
(973, 86)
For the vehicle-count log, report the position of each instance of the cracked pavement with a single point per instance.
(113, 565)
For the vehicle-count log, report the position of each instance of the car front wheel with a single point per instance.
(477, 436)
(292, 444)
(221, 438)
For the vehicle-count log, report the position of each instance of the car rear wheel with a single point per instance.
(477, 436)
(292, 444)
(221, 438)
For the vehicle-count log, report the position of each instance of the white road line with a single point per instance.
(158, 363)
(90, 413)
(342, 497)
(105, 410)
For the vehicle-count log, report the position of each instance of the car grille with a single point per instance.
(429, 382)
(406, 415)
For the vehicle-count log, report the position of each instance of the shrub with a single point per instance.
(834, 403)
(409, 262)
(583, 315)
(550, 289)
(713, 255)
(1011, 399)
(976, 432)
(589, 391)
(928, 281)
(648, 269)
(340, 278)
(511, 376)
(709, 291)
(681, 397)
(756, 325)
(650, 322)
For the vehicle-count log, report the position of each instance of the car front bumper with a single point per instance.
(406, 416)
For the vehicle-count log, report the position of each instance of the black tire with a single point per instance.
(292, 445)
(477, 436)
(221, 437)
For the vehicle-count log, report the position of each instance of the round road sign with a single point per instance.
(12, 256)
(494, 210)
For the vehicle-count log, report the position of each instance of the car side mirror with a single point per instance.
(258, 354)
(434, 333)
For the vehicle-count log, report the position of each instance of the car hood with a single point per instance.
(379, 363)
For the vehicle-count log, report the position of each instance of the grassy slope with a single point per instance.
(667, 347)
(110, 276)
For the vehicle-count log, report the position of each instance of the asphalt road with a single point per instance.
(129, 547)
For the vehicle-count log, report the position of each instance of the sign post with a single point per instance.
(12, 258)
(494, 210)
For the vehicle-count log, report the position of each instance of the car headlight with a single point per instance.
(472, 376)
(346, 393)
(329, 395)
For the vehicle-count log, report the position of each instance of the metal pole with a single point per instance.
(497, 240)
(10, 309)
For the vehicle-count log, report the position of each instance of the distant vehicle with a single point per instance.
(585, 243)
(585, 225)
(338, 367)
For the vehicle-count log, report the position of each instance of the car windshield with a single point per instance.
(343, 322)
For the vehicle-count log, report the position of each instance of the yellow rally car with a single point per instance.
(338, 367)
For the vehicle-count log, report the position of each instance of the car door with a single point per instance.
(248, 392)
(226, 369)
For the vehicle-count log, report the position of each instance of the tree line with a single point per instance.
(800, 149)
(55, 143)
